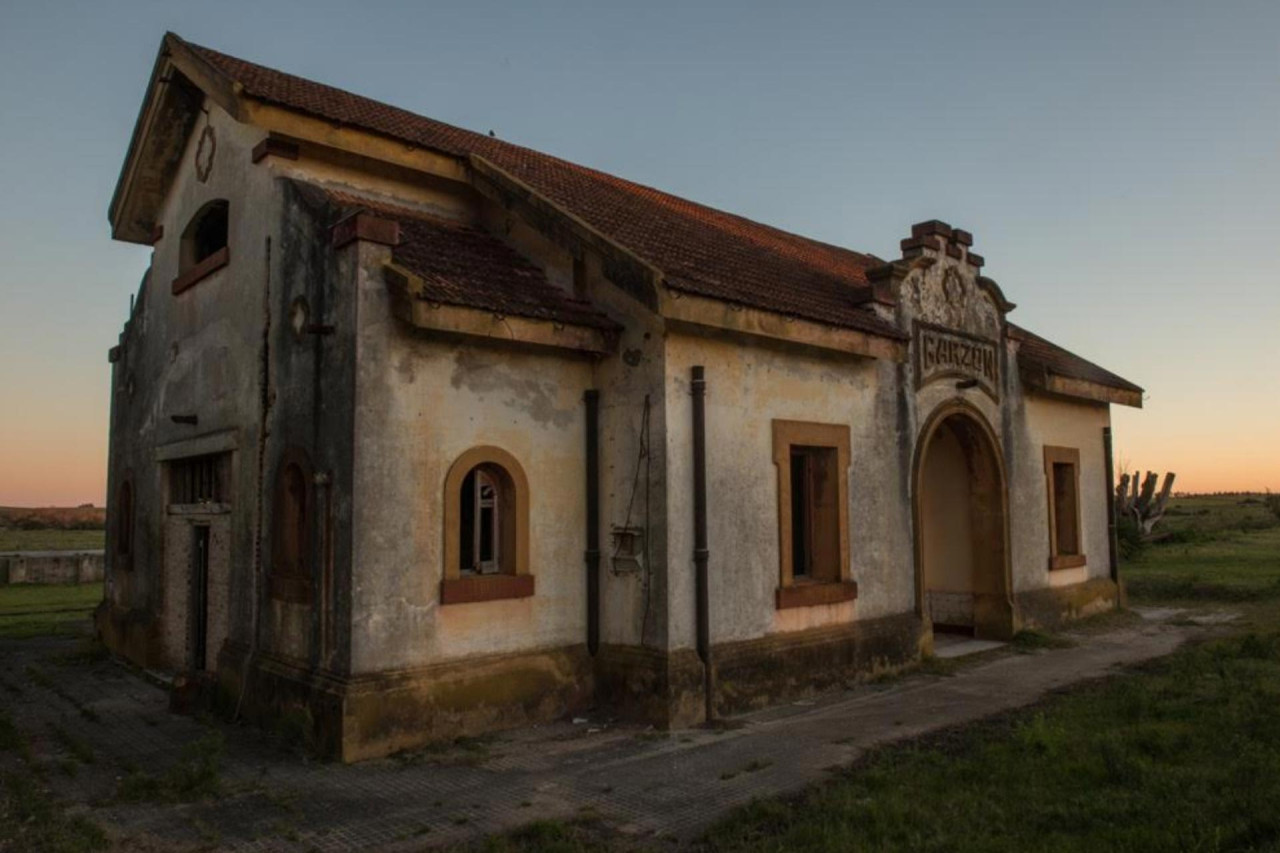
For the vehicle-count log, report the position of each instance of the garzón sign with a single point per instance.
(941, 353)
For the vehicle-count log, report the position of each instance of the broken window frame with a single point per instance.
(504, 573)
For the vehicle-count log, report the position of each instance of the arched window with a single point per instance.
(124, 522)
(486, 511)
(203, 247)
(486, 528)
(291, 530)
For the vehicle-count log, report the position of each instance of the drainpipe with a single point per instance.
(1112, 544)
(592, 399)
(264, 412)
(700, 552)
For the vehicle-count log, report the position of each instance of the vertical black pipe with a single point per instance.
(700, 551)
(1112, 544)
(592, 399)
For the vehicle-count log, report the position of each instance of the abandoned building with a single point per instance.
(417, 433)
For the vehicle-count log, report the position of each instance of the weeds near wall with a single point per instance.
(196, 775)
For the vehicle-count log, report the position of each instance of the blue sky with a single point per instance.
(1118, 164)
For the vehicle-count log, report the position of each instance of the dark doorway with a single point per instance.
(200, 598)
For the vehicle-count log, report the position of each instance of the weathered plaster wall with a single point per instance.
(1058, 423)
(421, 401)
(748, 386)
(634, 477)
(194, 353)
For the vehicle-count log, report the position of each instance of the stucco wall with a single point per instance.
(421, 401)
(1057, 423)
(748, 386)
(196, 353)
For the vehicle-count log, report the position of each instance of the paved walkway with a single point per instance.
(651, 784)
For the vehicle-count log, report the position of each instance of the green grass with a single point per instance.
(1205, 516)
(24, 597)
(196, 775)
(32, 818)
(552, 836)
(52, 540)
(1232, 568)
(37, 610)
(1180, 756)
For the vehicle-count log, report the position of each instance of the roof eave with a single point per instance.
(165, 98)
(695, 312)
(469, 321)
(1058, 385)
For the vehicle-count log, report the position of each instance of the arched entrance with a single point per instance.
(962, 564)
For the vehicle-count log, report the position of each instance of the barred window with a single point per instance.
(198, 479)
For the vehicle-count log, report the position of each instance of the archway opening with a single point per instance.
(961, 547)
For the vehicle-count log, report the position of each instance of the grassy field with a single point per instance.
(1222, 549)
(1205, 516)
(1183, 754)
(52, 540)
(37, 610)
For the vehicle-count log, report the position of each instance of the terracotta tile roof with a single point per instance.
(1037, 353)
(465, 266)
(699, 250)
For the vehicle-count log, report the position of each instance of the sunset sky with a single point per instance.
(1117, 162)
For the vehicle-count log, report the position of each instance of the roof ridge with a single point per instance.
(483, 141)
(732, 257)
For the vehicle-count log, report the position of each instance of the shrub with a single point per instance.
(1129, 536)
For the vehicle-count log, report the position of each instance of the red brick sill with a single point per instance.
(809, 594)
(473, 588)
(202, 270)
(1069, 561)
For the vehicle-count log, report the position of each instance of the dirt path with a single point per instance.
(647, 783)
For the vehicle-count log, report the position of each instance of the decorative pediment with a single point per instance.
(955, 315)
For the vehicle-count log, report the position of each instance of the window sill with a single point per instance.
(202, 270)
(474, 588)
(810, 594)
(1069, 561)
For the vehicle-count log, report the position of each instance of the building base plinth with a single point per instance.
(1052, 607)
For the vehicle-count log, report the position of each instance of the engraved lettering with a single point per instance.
(943, 353)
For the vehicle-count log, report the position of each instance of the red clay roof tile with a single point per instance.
(465, 266)
(1036, 352)
(698, 249)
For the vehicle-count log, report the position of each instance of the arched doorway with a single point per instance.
(962, 565)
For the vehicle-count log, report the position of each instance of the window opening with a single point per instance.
(815, 522)
(481, 516)
(206, 234)
(1064, 508)
(197, 480)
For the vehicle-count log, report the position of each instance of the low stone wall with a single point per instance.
(51, 567)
